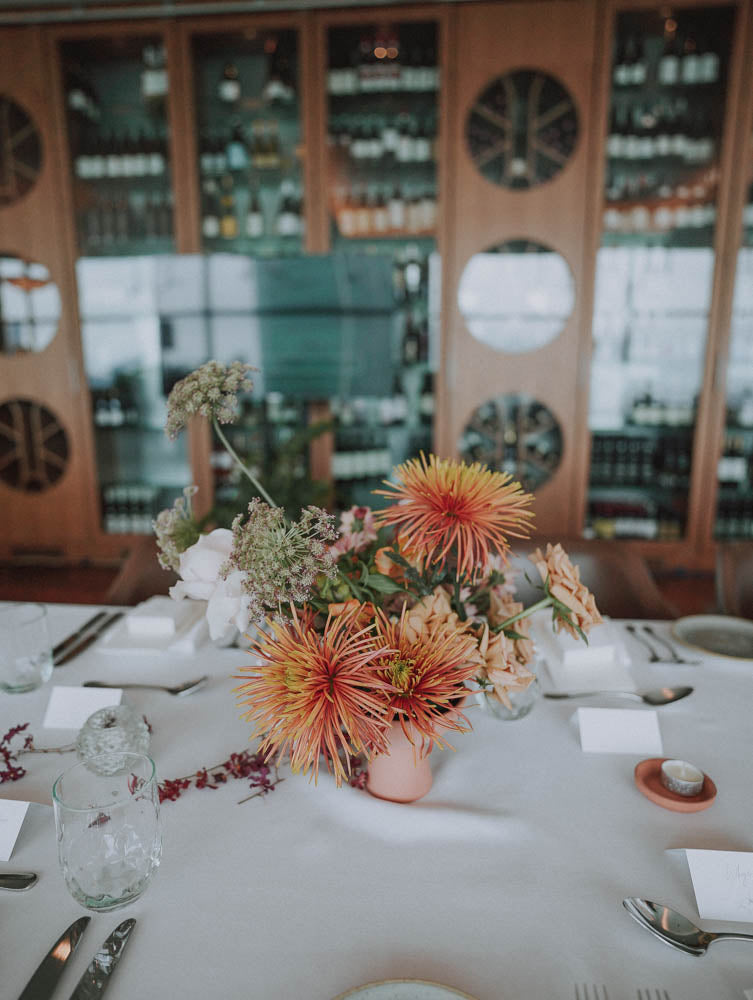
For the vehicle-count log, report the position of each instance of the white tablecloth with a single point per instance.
(506, 881)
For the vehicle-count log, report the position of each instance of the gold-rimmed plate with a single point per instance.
(720, 635)
(403, 989)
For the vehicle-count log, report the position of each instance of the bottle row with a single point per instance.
(118, 218)
(649, 462)
(129, 508)
(84, 100)
(278, 87)
(382, 62)
(646, 411)
(734, 519)
(735, 465)
(112, 156)
(644, 219)
(670, 130)
(261, 147)
(403, 139)
(690, 59)
(371, 212)
(231, 210)
(640, 521)
(114, 408)
(624, 185)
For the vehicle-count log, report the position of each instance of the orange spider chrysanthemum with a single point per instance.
(315, 694)
(427, 675)
(445, 506)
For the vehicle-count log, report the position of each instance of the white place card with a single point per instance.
(11, 817)
(619, 730)
(723, 884)
(70, 707)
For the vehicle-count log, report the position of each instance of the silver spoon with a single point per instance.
(674, 929)
(658, 696)
(18, 881)
(178, 689)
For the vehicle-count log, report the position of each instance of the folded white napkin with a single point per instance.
(601, 664)
(151, 631)
(158, 617)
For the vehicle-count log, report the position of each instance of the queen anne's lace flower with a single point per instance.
(210, 391)
(280, 561)
(176, 530)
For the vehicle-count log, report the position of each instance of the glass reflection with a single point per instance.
(334, 352)
(734, 513)
(655, 267)
(516, 296)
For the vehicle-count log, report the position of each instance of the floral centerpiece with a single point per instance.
(384, 622)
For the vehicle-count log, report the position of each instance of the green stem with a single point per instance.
(231, 451)
(545, 602)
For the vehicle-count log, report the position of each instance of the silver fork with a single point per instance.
(584, 992)
(668, 645)
(653, 655)
(653, 995)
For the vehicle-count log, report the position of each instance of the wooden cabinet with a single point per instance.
(517, 206)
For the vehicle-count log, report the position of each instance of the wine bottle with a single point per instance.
(236, 151)
(669, 64)
(254, 218)
(396, 209)
(154, 80)
(229, 85)
(228, 219)
(691, 63)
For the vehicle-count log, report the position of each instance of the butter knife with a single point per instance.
(18, 881)
(96, 979)
(64, 644)
(89, 638)
(42, 984)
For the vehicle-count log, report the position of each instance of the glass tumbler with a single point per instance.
(109, 731)
(25, 650)
(108, 829)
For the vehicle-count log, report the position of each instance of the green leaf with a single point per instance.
(382, 584)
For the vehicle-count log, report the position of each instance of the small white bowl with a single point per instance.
(682, 777)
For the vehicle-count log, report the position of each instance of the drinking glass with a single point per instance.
(25, 651)
(108, 733)
(108, 829)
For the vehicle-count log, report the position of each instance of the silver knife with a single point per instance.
(62, 646)
(42, 984)
(18, 881)
(89, 638)
(96, 979)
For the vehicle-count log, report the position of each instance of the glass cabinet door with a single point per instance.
(115, 94)
(126, 307)
(249, 142)
(382, 84)
(655, 267)
(734, 509)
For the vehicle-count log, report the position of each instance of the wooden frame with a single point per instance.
(482, 214)
(566, 213)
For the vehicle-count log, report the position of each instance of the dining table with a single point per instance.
(505, 882)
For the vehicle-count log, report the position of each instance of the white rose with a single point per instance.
(199, 568)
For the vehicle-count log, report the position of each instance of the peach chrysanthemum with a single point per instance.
(427, 674)
(448, 507)
(501, 666)
(566, 587)
(315, 694)
(502, 607)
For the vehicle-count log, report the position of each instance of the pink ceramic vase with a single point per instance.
(403, 774)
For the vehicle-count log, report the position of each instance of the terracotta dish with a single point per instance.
(648, 780)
